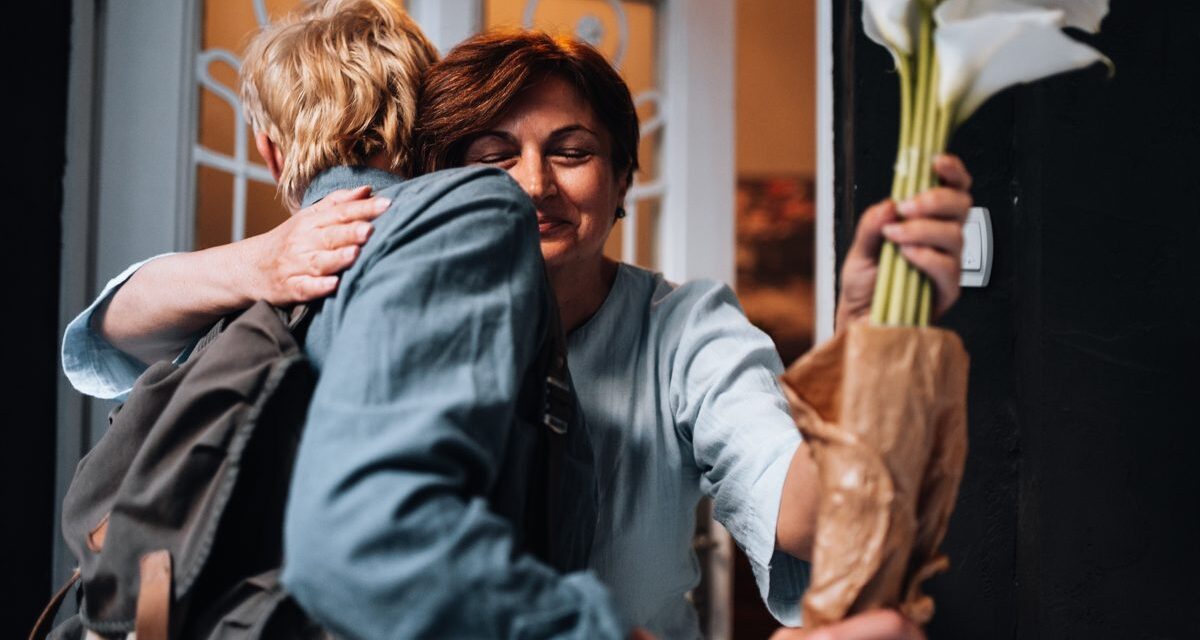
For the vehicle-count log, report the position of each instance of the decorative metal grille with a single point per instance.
(646, 192)
(239, 165)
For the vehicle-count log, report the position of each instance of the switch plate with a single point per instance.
(977, 255)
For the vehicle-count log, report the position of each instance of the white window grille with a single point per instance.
(239, 165)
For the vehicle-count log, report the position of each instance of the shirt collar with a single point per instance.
(347, 177)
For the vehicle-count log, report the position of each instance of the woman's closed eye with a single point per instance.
(572, 155)
(492, 148)
(499, 158)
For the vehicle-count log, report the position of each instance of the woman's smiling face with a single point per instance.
(554, 146)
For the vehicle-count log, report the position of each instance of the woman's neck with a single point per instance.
(581, 289)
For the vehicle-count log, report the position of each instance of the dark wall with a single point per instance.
(36, 82)
(1079, 515)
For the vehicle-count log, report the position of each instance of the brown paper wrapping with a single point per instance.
(884, 412)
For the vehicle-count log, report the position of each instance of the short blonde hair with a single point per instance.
(336, 83)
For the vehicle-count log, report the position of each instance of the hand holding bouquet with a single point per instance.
(883, 405)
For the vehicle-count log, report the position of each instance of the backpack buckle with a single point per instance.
(558, 407)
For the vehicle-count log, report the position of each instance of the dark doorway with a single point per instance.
(37, 102)
(1079, 514)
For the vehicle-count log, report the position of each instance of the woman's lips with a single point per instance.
(548, 226)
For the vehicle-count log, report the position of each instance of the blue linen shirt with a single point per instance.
(682, 400)
(420, 354)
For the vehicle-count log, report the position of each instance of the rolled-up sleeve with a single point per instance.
(388, 534)
(728, 404)
(92, 365)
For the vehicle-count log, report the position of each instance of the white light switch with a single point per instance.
(972, 240)
(977, 249)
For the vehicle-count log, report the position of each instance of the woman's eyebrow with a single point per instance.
(503, 136)
(569, 129)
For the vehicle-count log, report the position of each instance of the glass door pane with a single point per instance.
(776, 89)
(776, 167)
(235, 195)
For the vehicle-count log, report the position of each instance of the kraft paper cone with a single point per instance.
(884, 412)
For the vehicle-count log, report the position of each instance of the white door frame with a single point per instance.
(825, 253)
(127, 185)
(696, 236)
(447, 22)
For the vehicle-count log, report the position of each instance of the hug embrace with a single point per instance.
(446, 243)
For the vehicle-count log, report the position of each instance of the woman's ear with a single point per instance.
(270, 154)
(623, 186)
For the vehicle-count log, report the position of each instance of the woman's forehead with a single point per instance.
(553, 102)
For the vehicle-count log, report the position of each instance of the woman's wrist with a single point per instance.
(846, 314)
(244, 273)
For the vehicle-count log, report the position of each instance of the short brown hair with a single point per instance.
(336, 83)
(476, 83)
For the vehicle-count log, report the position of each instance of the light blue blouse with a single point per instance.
(681, 397)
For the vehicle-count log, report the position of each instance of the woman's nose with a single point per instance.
(536, 177)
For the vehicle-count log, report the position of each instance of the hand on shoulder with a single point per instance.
(299, 260)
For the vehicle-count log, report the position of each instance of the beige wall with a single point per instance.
(776, 87)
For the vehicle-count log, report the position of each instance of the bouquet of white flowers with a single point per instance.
(951, 56)
(883, 405)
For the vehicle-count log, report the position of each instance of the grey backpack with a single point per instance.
(176, 516)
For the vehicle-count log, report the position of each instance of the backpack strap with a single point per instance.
(559, 406)
(558, 413)
(211, 335)
(154, 596)
(296, 318)
(42, 627)
(299, 317)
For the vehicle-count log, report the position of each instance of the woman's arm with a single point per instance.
(728, 406)
(796, 527)
(162, 306)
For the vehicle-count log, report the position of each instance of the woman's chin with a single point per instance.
(557, 252)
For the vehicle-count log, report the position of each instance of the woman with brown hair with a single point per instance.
(678, 389)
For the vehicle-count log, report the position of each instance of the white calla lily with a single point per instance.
(892, 24)
(951, 56)
(1080, 14)
(985, 47)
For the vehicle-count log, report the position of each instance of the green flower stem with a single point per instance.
(920, 112)
(900, 310)
(887, 257)
(935, 145)
(903, 163)
(903, 295)
(883, 282)
(925, 306)
(895, 308)
(917, 293)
